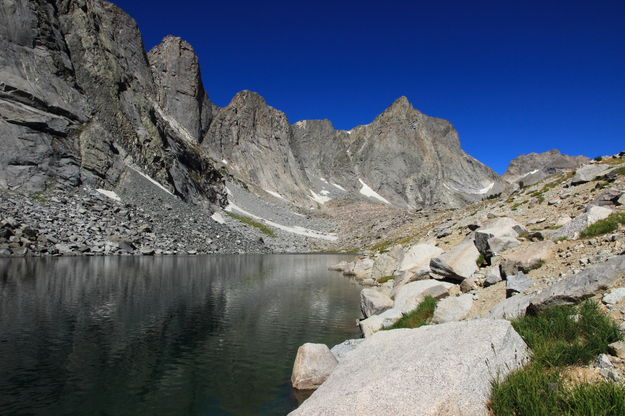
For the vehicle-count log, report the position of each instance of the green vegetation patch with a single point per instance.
(385, 279)
(558, 337)
(419, 317)
(604, 226)
(480, 261)
(247, 220)
(567, 335)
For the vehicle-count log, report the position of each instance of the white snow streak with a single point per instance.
(151, 180)
(290, 229)
(482, 191)
(319, 198)
(224, 161)
(338, 187)
(217, 217)
(109, 194)
(274, 193)
(367, 191)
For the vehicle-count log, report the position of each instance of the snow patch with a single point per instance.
(274, 193)
(182, 132)
(482, 191)
(338, 187)
(109, 194)
(218, 218)
(530, 173)
(323, 180)
(319, 198)
(367, 191)
(224, 161)
(324, 192)
(306, 232)
(151, 180)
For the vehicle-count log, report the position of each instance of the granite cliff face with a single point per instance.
(79, 104)
(82, 102)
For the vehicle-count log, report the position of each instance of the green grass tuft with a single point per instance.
(419, 317)
(480, 261)
(246, 220)
(604, 226)
(385, 279)
(558, 337)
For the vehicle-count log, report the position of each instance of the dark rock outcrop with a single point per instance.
(78, 103)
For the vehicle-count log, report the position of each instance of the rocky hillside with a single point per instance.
(529, 169)
(459, 276)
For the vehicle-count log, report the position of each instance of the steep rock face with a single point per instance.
(541, 164)
(77, 103)
(179, 89)
(404, 156)
(323, 152)
(413, 159)
(255, 141)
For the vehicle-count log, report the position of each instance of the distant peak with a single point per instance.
(171, 41)
(248, 97)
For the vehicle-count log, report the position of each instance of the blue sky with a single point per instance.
(513, 77)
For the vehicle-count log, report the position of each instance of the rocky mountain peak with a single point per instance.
(400, 109)
(180, 93)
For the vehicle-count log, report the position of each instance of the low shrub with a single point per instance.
(246, 220)
(419, 317)
(604, 226)
(385, 279)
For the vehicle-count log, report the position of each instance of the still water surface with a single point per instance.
(207, 335)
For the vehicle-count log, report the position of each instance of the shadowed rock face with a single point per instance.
(547, 163)
(78, 103)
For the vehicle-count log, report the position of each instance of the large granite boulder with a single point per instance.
(459, 263)
(526, 258)
(497, 235)
(411, 295)
(572, 229)
(417, 259)
(588, 173)
(571, 290)
(374, 302)
(582, 285)
(454, 308)
(387, 263)
(313, 364)
(444, 369)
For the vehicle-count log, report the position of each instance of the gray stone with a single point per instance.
(497, 233)
(411, 295)
(387, 263)
(444, 369)
(617, 349)
(498, 245)
(339, 267)
(572, 229)
(345, 347)
(313, 364)
(458, 263)
(510, 308)
(621, 200)
(417, 258)
(517, 283)
(587, 283)
(588, 173)
(615, 296)
(454, 308)
(492, 277)
(526, 258)
(374, 302)
(362, 268)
